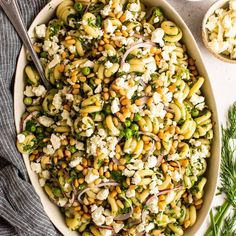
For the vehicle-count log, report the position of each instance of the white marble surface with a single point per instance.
(222, 75)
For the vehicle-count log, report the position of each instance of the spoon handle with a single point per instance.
(11, 10)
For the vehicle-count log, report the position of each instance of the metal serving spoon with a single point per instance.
(12, 11)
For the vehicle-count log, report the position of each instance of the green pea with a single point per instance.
(59, 85)
(195, 112)
(85, 71)
(107, 109)
(39, 130)
(43, 54)
(127, 123)
(33, 128)
(137, 117)
(57, 192)
(82, 186)
(134, 127)
(128, 133)
(78, 6)
(28, 101)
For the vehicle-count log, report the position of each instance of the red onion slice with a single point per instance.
(151, 196)
(168, 110)
(134, 222)
(138, 45)
(116, 161)
(180, 169)
(110, 183)
(105, 227)
(159, 159)
(150, 152)
(127, 215)
(143, 99)
(154, 136)
(165, 191)
(96, 186)
(123, 217)
(87, 7)
(72, 200)
(139, 36)
(144, 215)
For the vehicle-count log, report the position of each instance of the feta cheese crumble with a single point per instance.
(91, 177)
(40, 31)
(21, 138)
(157, 36)
(98, 217)
(115, 105)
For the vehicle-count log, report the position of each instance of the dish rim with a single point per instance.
(48, 206)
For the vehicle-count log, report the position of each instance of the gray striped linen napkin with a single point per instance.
(21, 212)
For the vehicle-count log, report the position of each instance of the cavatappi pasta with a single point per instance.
(121, 139)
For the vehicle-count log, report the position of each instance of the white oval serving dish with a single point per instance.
(52, 210)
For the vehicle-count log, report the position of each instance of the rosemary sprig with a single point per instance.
(228, 180)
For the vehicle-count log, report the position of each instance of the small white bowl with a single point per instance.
(215, 6)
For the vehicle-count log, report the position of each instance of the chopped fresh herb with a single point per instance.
(113, 59)
(128, 158)
(54, 27)
(78, 6)
(107, 109)
(30, 126)
(39, 130)
(81, 187)
(137, 117)
(91, 22)
(181, 121)
(188, 170)
(125, 210)
(129, 57)
(99, 21)
(117, 176)
(96, 8)
(59, 85)
(56, 192)
(100, 163)
(119, 74)
(138, 73)
(72, 149)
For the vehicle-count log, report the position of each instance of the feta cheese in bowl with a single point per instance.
(219, 30)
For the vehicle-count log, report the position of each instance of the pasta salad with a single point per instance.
(120, 140)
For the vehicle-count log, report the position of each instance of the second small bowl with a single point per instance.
(217, 5)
